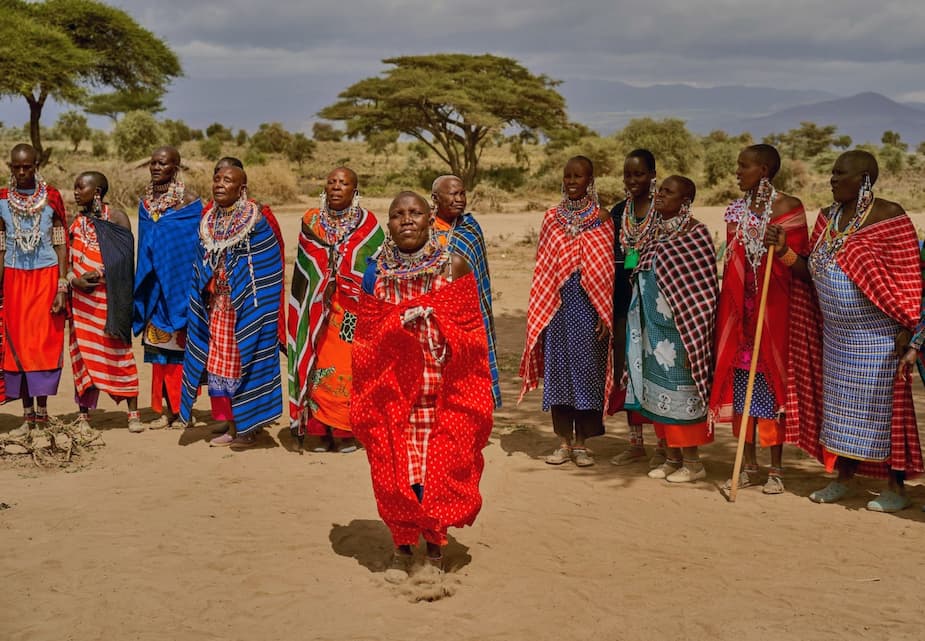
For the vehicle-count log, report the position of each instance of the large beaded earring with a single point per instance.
(653, 187)
(592, 193)
(355, 203)
(97, 206)
(12, 181)
(323, 201)
(865, 195)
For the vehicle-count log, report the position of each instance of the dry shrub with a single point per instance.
(610, 190)
(487, 198)
(274, 183)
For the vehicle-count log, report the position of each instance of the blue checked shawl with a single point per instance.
(468, 240)
(685, 270)
(166, 250)
(259, 399)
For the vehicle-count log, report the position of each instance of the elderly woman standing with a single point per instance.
(422, 387)
(669, 349)
(865, 267)
(232, 328)
(337, 240)
(570, 315)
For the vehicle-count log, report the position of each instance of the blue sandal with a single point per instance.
(831, 493)
(889, 501)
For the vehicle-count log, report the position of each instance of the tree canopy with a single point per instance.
(64, 49)
(453, 103)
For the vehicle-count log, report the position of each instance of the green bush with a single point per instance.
(137, 135)
(211, 148)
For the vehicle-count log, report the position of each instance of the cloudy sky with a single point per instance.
(248, 62)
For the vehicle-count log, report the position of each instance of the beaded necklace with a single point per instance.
(221, 230)
(337, 225)
(577, 216)
(832, 240)
(751, 226)
(668, 229)
(157, 204)
(395, 264)
(88, 231)
(634, 233)
(27, 207)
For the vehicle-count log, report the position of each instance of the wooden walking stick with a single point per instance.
(752, 371)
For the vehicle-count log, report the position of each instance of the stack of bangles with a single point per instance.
(62, 285)
(789, 257)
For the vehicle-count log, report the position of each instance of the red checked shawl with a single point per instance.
(731, 331)
(883, 261)
(558, 256)
(685, 270)
(388, 369)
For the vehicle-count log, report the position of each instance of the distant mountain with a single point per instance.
(864, 117)
(606, 106)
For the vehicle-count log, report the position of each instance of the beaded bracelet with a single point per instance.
(789, 257)
(2, 241)
(70, 277)
(57, 236)
(62, 286)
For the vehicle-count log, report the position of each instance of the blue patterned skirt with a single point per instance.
(575, 361)
(858, 369)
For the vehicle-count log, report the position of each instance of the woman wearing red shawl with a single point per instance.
(633, 218)
(33, 241)
(763, 219)
(422, 388)
(856, 417)
(570, 315)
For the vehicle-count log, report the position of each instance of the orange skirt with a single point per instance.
(333, 373)
(770, 431)
(33, 336)
(690, 435)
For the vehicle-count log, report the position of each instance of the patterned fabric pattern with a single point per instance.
(888, 252)
(388, 369)
(258, 400)
(858, 367)
(319, 269)
(224, 356)
(575, 364)
(424, 411)
(686, 275)
(558, 256)
(736, 322)
(468, 240)
(98, 360)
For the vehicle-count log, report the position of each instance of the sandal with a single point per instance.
(659, 457)
(222, 441)
(346, 446)
(889, 501)
(562, 455)
(831, 493)
(399, 567)
(629, 456)
(774, 484)
(664, 470)
(745, 480)
(582, 456)
(159, 423)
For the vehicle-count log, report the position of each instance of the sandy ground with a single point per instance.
(158, 537)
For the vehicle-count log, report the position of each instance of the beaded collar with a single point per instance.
(338, 225)
(576, 216)
(157, 204)
(395, 264)
(750, 225)
(668, 229)
(25, 207)
(222, 229)
(831, 240)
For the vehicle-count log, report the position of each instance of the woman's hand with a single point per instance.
(906, 363)
(87, 282)
(774, 236)
(58, 305)
(601, 331)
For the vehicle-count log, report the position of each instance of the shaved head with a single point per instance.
(861, 162)
(172, 154)
(409, 194)
(440, 180)
(27, 152)
(350, 172)
(98, 180)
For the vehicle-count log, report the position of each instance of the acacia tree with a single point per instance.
(453, 103)
(63, 49)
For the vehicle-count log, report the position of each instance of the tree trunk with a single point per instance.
(35, 131)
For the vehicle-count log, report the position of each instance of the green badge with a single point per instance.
(632, 258)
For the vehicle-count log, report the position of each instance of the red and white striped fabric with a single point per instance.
(98, 359)
(224, 356)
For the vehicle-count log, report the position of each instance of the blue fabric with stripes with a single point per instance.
(259, 399)
(166, 250)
